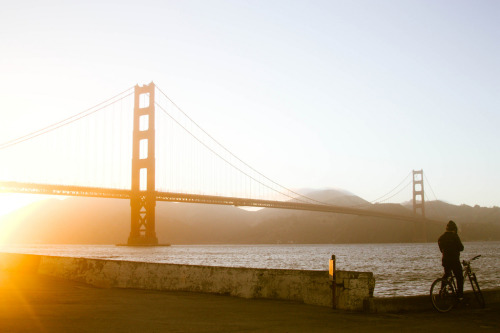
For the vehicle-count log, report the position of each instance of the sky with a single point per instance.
(350, 95)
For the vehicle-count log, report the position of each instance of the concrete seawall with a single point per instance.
(353, 291)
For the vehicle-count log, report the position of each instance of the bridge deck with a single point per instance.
(82, 191)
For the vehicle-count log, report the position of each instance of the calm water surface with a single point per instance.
(399, 269)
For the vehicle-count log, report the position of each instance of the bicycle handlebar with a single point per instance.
(467, 262)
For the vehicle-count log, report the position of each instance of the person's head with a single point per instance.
(451, 226)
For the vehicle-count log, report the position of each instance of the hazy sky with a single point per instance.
(314, 94)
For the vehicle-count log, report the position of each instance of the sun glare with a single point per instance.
(11, 202)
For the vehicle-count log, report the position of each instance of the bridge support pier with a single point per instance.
(143, 198)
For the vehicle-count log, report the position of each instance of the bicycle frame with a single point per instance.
(467, 274)
(444, 290)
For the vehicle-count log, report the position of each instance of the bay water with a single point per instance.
(399, 269)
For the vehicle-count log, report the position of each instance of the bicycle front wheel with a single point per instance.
(477, 292)
(443, 295)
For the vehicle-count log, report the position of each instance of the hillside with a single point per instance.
(107, 221)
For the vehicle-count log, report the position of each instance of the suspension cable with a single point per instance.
(233, 155)
(379, 198)
(231, 164)
(397, 186)
(437, 209)
(403, 188)
(64, 122)
(428, 183)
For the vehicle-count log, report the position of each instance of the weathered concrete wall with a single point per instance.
(354, 290)
(310, 287)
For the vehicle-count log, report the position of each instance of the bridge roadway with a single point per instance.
(82, 191)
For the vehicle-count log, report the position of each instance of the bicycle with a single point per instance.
(444, 290)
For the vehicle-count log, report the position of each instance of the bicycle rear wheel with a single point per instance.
(477, 292)
(443, 295)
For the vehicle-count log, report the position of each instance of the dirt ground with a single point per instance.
(36, 303)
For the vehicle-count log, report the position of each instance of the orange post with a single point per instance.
(332, 271)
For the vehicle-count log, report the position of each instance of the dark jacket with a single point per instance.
(450, 246)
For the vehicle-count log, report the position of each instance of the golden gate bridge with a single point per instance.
(140, 146)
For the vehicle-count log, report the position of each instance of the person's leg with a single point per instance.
(457, 271)
(447, 273)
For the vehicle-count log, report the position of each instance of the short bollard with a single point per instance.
(334, 282)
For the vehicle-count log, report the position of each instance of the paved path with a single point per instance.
(35, 303)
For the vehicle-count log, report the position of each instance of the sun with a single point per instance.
(10, 202)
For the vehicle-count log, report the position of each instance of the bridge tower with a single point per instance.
(419, 204)
(143, 198)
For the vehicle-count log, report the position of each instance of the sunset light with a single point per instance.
(264, 166)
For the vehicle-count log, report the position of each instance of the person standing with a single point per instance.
(450, 246)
